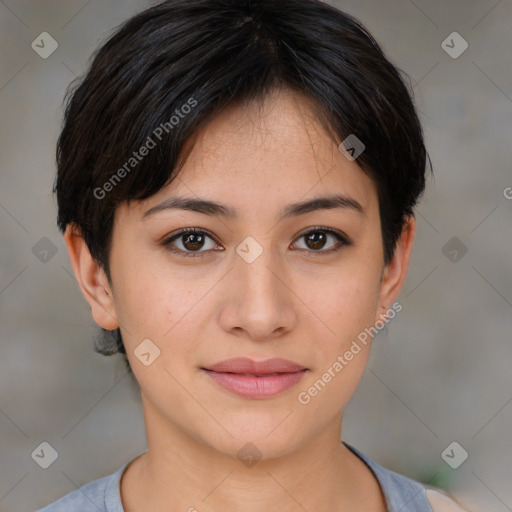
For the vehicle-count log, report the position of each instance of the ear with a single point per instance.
(395, 272)
(91, 278)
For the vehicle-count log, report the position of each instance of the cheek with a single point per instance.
(342, 352)
(346, 302)
(144, 305)
(162, 308)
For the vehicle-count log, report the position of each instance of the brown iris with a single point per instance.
(316, 239)
(193, 241)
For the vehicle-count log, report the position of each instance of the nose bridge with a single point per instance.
(254, 268)
(260, 300)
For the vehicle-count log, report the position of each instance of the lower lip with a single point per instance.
(250, 386)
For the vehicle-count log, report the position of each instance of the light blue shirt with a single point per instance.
(103, 495)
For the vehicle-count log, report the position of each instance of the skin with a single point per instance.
(291, 302)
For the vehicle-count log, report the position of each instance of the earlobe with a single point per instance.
(91, 278)
(395, 273)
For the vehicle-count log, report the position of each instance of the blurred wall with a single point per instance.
(439, 372)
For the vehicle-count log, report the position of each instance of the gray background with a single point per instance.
(440, 372)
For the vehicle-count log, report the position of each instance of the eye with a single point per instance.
(191, 240)
(316, 239)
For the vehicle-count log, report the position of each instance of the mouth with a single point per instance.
(252, 379)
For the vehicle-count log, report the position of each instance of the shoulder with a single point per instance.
(101, 495)
(441, 502)
(402, 493)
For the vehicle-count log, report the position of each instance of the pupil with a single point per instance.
(190, 239)
(317, 238)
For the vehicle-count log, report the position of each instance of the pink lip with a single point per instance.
(256, 379)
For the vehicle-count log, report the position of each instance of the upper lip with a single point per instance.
(250, 366)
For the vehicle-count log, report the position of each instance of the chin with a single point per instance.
(251, 443)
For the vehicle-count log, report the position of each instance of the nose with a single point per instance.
(259, 302)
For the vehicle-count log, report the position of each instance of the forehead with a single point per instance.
(265, 154)
(280, 130)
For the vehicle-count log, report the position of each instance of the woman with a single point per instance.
(236, 184)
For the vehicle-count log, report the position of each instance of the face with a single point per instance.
(257, 279)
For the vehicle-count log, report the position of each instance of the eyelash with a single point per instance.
(342, 241)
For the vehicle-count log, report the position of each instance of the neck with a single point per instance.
(179, 472)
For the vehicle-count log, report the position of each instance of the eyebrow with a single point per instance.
(207, 207)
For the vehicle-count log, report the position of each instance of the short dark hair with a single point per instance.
(196, 57)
